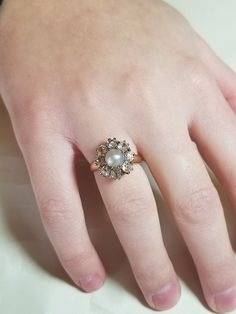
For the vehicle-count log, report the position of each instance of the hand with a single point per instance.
(72, 76)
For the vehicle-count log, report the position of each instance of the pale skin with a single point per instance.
(73, 75)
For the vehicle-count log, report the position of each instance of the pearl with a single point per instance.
(114, 158)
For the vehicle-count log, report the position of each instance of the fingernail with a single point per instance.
(166, 297)
(226, 301)
(90, 282)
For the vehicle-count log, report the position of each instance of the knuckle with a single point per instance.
(138, 79)
(29, 108)
(54, 214)
(33, 122)
(198, 207)
(129, 206)
(196, 75)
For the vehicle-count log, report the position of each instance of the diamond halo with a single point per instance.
(114, 158)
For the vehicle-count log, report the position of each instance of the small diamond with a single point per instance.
(129, 156)
(123, 146)
(97, 162)
(105, 171)
(101, 150)
(127, 167)
(119, 174)
(112, 143)
(113, 174)
(100, 161)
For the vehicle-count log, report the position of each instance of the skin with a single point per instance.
(72, 76)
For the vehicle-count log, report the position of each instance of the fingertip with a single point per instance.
(166, 298)
(91, 282)
(224, 301)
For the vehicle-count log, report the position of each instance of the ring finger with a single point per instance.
(132, 210)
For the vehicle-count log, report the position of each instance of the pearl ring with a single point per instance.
(114, 159)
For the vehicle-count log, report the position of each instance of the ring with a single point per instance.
(114, 159)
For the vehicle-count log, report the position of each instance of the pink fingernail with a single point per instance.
(90, 282)
(166, 297)
(226, 301)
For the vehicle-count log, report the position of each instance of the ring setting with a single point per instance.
(114, 158)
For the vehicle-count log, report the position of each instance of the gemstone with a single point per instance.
(119, 173)
(123, 146)
(105, 171)
(127, 167)
(129, 156)
(114, 157)
(113, 174)
(112, 144)
(101, 150)
(97, 162)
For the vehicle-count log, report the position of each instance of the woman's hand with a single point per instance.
(74, 74)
